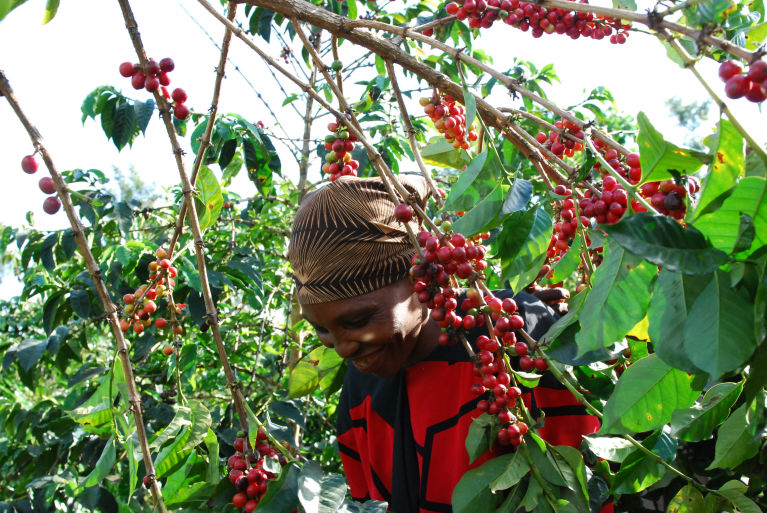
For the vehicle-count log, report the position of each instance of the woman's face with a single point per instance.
(379, 332)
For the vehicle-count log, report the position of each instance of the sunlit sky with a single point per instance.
(53, 67)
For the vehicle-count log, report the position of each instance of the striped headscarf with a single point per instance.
(346, 242)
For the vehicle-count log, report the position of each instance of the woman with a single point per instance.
(406, 403)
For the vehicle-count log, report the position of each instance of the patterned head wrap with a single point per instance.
(346, 242)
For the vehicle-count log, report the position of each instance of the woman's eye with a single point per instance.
(356, 323)
(320, 329)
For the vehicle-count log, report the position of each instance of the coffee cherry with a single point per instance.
(168, 350)
(152, 84)
(181, 111)
(160, 323)
(403, 212)
(29, 164)
(46, 185)
(178, 95)
(526, 363)
(337, 65)
(167, 65)
(239, 444)
(51, 205)
(250, 505)
(138, 81)
(540, 364)
(737, 87)
(127, 69)
(728, 69)
(239, 500)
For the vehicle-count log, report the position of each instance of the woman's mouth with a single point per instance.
(367, 363)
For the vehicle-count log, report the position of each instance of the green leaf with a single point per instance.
(472, 493)
(103, 465)
(518, 196)
(646, 396)
(522, 246)
(687, 500)
(673, 296)
(457, 197)
(438, 152)
(618, 301)
(81, 303)
(609, 448)
(719, 329)
(697, 423)
(664, 242)
(638, 471)
(722, 227)
(181, 419)
(51, 7)
(211, 442)
(29, 352)
(742, 503)
(728, 164)
(480, 437)
(517, 468)
(319, 492)
(305, 376)
(124, 125)
(282, 494)
(144, 111)
(351, 5)
(471, 106)
(210, 196)
(569, 262)
(569, 462)
(228, 151)
(734, 443)
(483, 216)
(173, 455)
(201, 422)
(658, 156)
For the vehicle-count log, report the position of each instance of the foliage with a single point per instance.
(665, 339)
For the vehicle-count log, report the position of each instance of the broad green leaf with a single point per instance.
(569, 462)
(544, 462)
(647, 394)
(658, 156)
(211, 442)
(29, 352)
(480, 437)
(319, 492)
(483, 216)
(144, 111)
(719, 329)
(734, 443)
(457, 198)
(103, 465)
(687, 500)
(51, 6)
(438, 152)
(182, 418)
(472, 493)
(201, 422)
(742, 503)
(132, 466)
(471, 106)
(352, 8)
(517, 468)
(722, 226)
(618, 301)
(522, 246)
(171, 456)
(533, 496)
(569, 262)
(305, 376)
(673, 296)
(697, 423)
(664, 242)
(331, 364)
(282, 494)
(609, 447)
(638, 471)
(728, 164)
(124, 125)
(211, 197)
(518, 196)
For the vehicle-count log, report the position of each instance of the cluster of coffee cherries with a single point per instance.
(140, 305)
(449, 119)
(566, 226)
(155, 77)
(559, 145)
(538, 19)
(51, 204)
(739, 83)
(668, 196)
(338, 160)
(251, 483)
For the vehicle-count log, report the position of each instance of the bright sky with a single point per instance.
(53, 67)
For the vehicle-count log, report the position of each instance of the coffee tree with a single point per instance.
(156, 358)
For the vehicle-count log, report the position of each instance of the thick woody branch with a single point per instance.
(95, 273)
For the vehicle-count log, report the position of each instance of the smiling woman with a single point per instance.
(406, 403)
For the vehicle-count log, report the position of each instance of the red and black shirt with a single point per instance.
(402, 439)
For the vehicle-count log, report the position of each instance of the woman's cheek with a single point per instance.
(367, 336)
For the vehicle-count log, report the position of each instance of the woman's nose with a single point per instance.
(345, 347)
